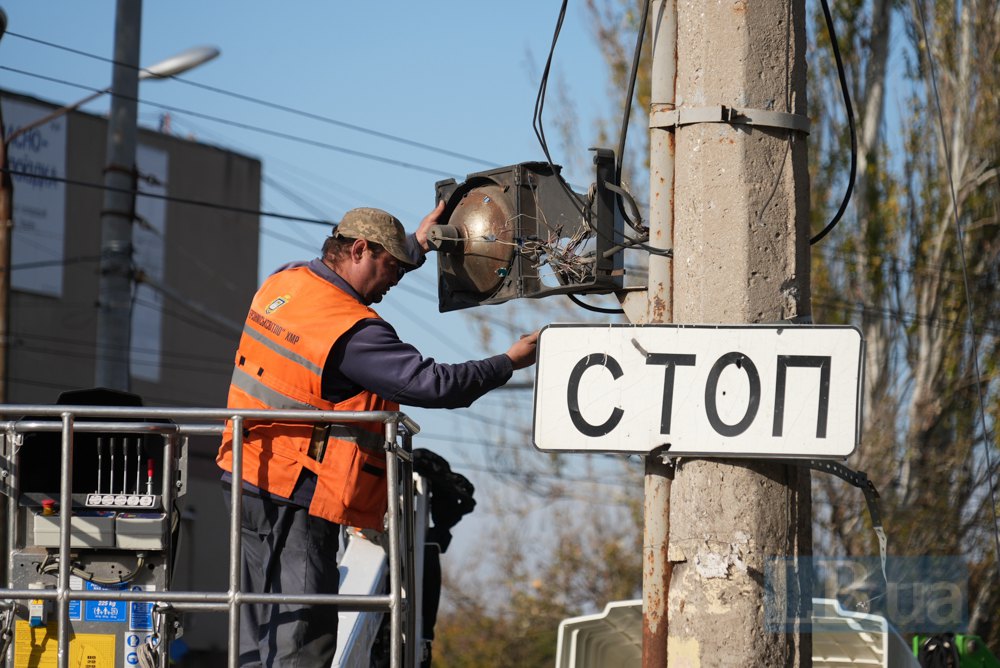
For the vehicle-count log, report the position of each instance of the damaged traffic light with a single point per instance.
(521, 231)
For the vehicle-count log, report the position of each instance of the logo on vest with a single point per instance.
(276, 304)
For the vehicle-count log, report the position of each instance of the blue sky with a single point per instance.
(457, 75)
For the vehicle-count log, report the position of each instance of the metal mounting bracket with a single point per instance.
(675, 118)
(860, 480)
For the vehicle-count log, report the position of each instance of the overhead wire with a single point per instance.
(898, 265)
(293, 196)
(70, 341)
(299, 200)
(960, 242)
(289, 169)
(303, 201)
(899, 315)
(267, 103)
(169, 198)
(40, 264)
(89, 355)
(237, 124)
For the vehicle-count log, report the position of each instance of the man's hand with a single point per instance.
(522, 353)
(429, 219)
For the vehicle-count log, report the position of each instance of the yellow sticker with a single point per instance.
(39, 648)
(276, 304)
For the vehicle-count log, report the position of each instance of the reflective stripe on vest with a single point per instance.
(266, 395)
(364, 438)
(281, 350)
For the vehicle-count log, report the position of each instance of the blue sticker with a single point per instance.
(141, 614)
(104, 611)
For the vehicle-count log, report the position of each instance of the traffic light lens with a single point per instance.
(485, 220)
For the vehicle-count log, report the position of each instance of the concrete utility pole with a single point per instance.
(737, 220)
(115, 288)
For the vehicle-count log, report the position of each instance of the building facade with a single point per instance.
(195, 273)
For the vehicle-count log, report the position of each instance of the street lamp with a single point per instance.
(181, 62)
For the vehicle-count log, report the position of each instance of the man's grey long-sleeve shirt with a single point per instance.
(371, 356)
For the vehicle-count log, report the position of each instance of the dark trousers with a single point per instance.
(286, 550)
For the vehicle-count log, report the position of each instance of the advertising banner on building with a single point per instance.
(37, 158)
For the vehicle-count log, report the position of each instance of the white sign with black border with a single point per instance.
(770, 391)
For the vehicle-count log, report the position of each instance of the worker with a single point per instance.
(312, 341)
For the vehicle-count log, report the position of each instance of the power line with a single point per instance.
(272, 105)
(168, 198)
(90, 344)
(197, 324)
(960, 241)
(238, 124)
(294, 196)
(326, 186)
(302, 201)
(897, 264)
(904, 317)
(199, 368)
(78, 259)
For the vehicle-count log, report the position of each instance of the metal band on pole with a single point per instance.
(673, 118)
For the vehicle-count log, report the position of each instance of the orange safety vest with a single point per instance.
(294, 320)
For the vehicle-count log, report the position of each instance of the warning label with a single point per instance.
(141, 613)
(38, 648)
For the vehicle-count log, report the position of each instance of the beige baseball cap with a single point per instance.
(377, 226)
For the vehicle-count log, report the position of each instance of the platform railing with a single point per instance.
(176, 423)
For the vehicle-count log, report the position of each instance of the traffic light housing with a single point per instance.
(520, 231)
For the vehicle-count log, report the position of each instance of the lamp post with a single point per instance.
(169, 67)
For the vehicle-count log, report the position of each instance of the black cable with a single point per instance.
(35, 337)
(168, 198)
(901, 316)
(596, 309)
(293, 195)
(539, 129)
(267, 103)
(55, 263)
(242, 126)
(850, 122)
(89, 355)
(626, 115)
(540, 134)
(536, 121)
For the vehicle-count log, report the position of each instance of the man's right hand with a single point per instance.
(425, 224)
(522, 353)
